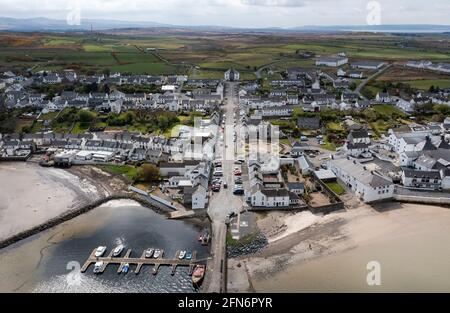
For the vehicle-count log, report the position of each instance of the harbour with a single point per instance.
(140, 262)
(42, 262)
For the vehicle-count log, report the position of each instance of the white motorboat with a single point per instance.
(149, 253)
(157, 253)
(118, 250)
(100, 251)
(182, 255)
(97, 268)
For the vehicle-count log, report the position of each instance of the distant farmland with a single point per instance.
(204, 55)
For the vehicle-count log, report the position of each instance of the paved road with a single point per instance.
(368, 79)
(223, 202)
(259, 72)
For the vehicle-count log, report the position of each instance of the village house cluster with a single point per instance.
(411, 161)
(202, 95)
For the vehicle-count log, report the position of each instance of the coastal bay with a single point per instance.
(332, 253)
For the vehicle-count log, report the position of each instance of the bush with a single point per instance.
(85, 116)
(148, 173)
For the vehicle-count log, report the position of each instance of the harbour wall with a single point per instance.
(72, 214)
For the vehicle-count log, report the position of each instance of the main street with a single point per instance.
(224, 202)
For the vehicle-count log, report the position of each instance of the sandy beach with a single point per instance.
(330, 253)
(31, 195)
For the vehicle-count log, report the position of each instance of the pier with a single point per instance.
(141, 261)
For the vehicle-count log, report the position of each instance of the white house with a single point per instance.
(405, 106)
(331, 61)
(368, 65)
(273, 198)
(357, 149)
(232, 75)
(367, 185)
(419, 64)
(359, 136)
(429, 180)
(383, 97)
(286, 110)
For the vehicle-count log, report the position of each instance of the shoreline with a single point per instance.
(24, 271)
(341, 238)
(106, 186)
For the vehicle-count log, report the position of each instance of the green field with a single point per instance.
(335, 127)
(211, 53)
(426, 84)
(387, 110)
(128, 171)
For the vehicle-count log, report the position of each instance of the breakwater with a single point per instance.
(72, 214)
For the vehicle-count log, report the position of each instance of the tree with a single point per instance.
(148, 173)
(85, 116)
(442, 109)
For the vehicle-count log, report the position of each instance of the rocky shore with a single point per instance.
(256, 245)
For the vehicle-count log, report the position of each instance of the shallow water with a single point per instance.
(409, 263)
(138, 228)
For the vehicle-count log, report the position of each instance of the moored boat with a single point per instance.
(100, 251)
(182, 255)
(118, 250)
(206, 238)
(126, 268)
(198, 275)
(149, 253)
(157, 253)
(188, 255)
(97, 268)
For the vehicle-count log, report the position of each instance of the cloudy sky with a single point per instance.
(240, 13)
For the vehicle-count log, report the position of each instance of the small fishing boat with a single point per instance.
(97, 268)
(182, 255)
(157, 253)
(100, 251)
(203, 234)
(206, 238)
(149, 253)
(188, 255)
(118, 250)
(198, 274)
(125, 268)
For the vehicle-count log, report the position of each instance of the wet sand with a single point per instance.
(409, 241)
(32, 195)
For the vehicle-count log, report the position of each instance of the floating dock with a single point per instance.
(140, 262)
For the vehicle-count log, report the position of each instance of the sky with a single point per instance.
(239, 13)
